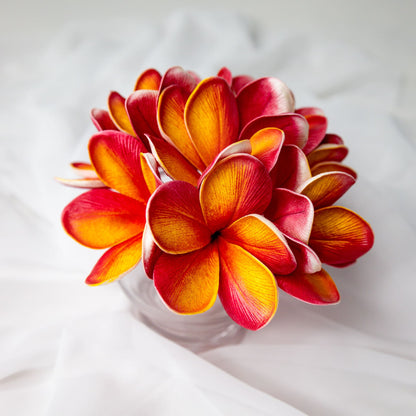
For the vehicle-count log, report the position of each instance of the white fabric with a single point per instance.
(67, 349)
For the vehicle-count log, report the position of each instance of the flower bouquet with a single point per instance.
(222, 188)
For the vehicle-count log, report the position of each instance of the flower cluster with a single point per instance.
(222, 188)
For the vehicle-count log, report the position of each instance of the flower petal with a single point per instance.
(82, 183)
(175, 218)
(142, 110)
(116, 159)
(291, 169)
(150, 171)
(188, 283)
(326, 188)
(247, 288)
(172, 161)
(332, 138)
(266, 145)
(240, 81)
(102, 120)
(148, 80)
(225, 73)
(171, 109)
(318, 124)
(328, 152)
(178, 76)
(151, 252)
(238, 185)
(307, 260)
(101, 218)
(339, 235)
(330, 166)
(263, 240)
(118, 113)
(295, 127)
(211, 117)
(264, 97)
(317, 288)
(84, 170)
(291, 213)
(116, 262)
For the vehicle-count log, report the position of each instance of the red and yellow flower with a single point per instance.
(247, 206)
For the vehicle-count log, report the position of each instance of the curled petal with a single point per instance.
(84, 170)
(150, 251)
(266, 145)
(292, 168)
(188, 283)
(264, 97)
(317, 288)
(172, 161)
(247, 288)
(225, 73)
(148, 80)
(294, 126)
(318, 124)
(116, 262)
(328, 152)
(102, 120)
(101, 218)
(339, 235)
(323, 167)
(211, 117)
(89, 183)
(142, 110)
(263, 240)
(118, 113)
(240, 81)
(236, 186)
(332, 138)
(175, 218)
(150, 171)
(116, 159)
(292, 213)
(326, 188)
(307, 260)
(171, 109)
(178, 76)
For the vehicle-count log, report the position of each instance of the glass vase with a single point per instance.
(198, 333)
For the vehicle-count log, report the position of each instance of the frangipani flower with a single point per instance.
(113, 218)
(214, 240)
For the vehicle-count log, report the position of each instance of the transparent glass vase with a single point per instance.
(198, 333)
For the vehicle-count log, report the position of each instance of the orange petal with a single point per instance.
(211, 117)
(116, 262)
(175, 218)
(148, 80)
(118, 113)
(332, 167)
(102, 120)
(238, 185)
(339, 235)
(116, 159)
(188, 283)
(328, 152)
(291, 213)
(151, 252)
(172, 161)
(171, 110)
(326, 188)
(294, 126)
(291, 169)
(261, 238)
(84, 170)
(317, 288)
(264, 97)
(150, 171)
(247, 288)
(142, 111)
(101, 218)
(266, 145)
